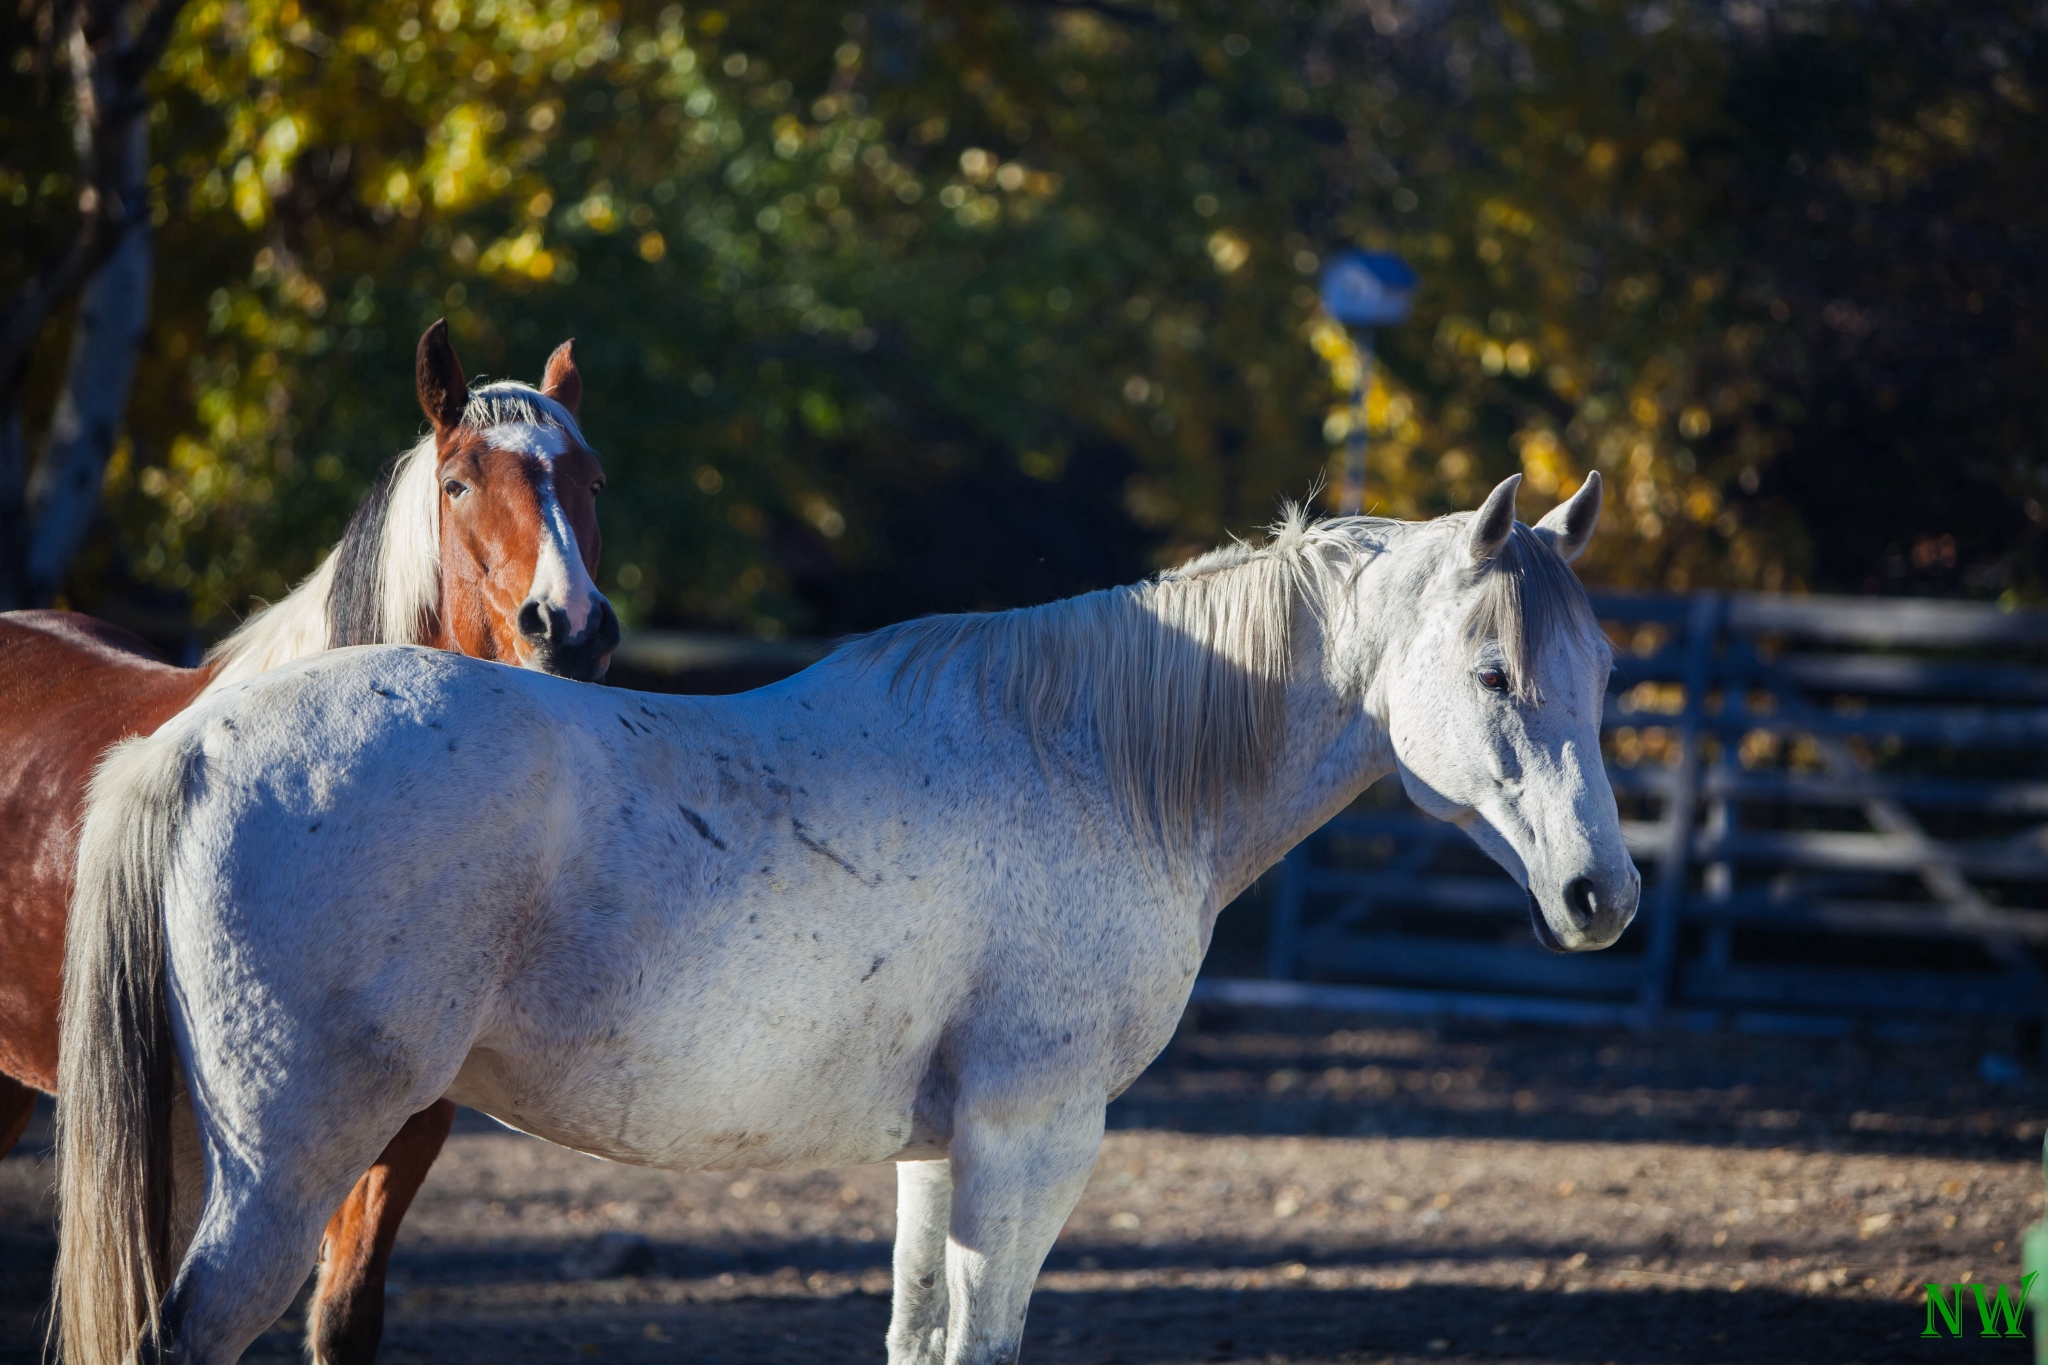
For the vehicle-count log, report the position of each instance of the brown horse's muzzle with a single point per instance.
(553, 650)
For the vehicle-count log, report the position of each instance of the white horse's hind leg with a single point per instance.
(286, 1121)
(238, 1277)
(259, 1233)
(917, 1316)
(1017, 1174)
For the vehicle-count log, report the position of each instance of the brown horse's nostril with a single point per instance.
(1579, 901)
(543, 624)
(555, 650)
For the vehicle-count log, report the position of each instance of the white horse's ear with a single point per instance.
(1570, 524)
(1493, 521)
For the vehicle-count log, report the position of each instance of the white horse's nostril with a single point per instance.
(1580, 900)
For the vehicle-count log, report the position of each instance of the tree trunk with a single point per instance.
(112, 45)
(105, 341)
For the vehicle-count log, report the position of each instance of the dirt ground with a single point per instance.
(1290, 1190)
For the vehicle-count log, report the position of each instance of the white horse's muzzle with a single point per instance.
(1587, 912)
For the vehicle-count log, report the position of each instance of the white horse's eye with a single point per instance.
(1493, 680)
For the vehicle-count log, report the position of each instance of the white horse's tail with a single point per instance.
(115, 1063)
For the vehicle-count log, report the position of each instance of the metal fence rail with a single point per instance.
(1838, 806)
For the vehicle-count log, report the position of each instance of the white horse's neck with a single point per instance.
(1226, 710)
(1335, 743)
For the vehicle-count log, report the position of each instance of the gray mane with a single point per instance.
(1183, 678)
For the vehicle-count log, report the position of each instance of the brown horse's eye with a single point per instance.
(597, 488)
(1493, 680)
(454, 488)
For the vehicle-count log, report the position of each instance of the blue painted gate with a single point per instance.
(1840, 807)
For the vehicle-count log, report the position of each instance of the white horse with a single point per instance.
(934, 901)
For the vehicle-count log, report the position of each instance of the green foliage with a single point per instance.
(901, 307)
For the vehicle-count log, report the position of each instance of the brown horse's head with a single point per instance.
(518, 517)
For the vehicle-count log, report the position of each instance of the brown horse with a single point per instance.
(481, 539)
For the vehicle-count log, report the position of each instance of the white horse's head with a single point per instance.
(1494, 713)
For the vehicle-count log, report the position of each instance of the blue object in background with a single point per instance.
(1363, 290)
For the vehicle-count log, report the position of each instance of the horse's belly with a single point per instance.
(762, 1097)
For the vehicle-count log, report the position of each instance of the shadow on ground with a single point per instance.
(1962, 1093)
(1167, 1326)
(764, 1313)
(1811, 1184)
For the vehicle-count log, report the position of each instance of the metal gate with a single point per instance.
(1839, 805)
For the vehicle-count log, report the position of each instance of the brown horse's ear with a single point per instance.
(562, 381)
(444, 392)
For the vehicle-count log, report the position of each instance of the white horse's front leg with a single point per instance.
(1017, 1174)
(917, 1314)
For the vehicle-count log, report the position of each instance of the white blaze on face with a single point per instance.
(559, 579)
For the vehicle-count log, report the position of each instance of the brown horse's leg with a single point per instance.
(17, 1104)
(348, 1305)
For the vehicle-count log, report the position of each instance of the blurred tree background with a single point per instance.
(888, 308)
